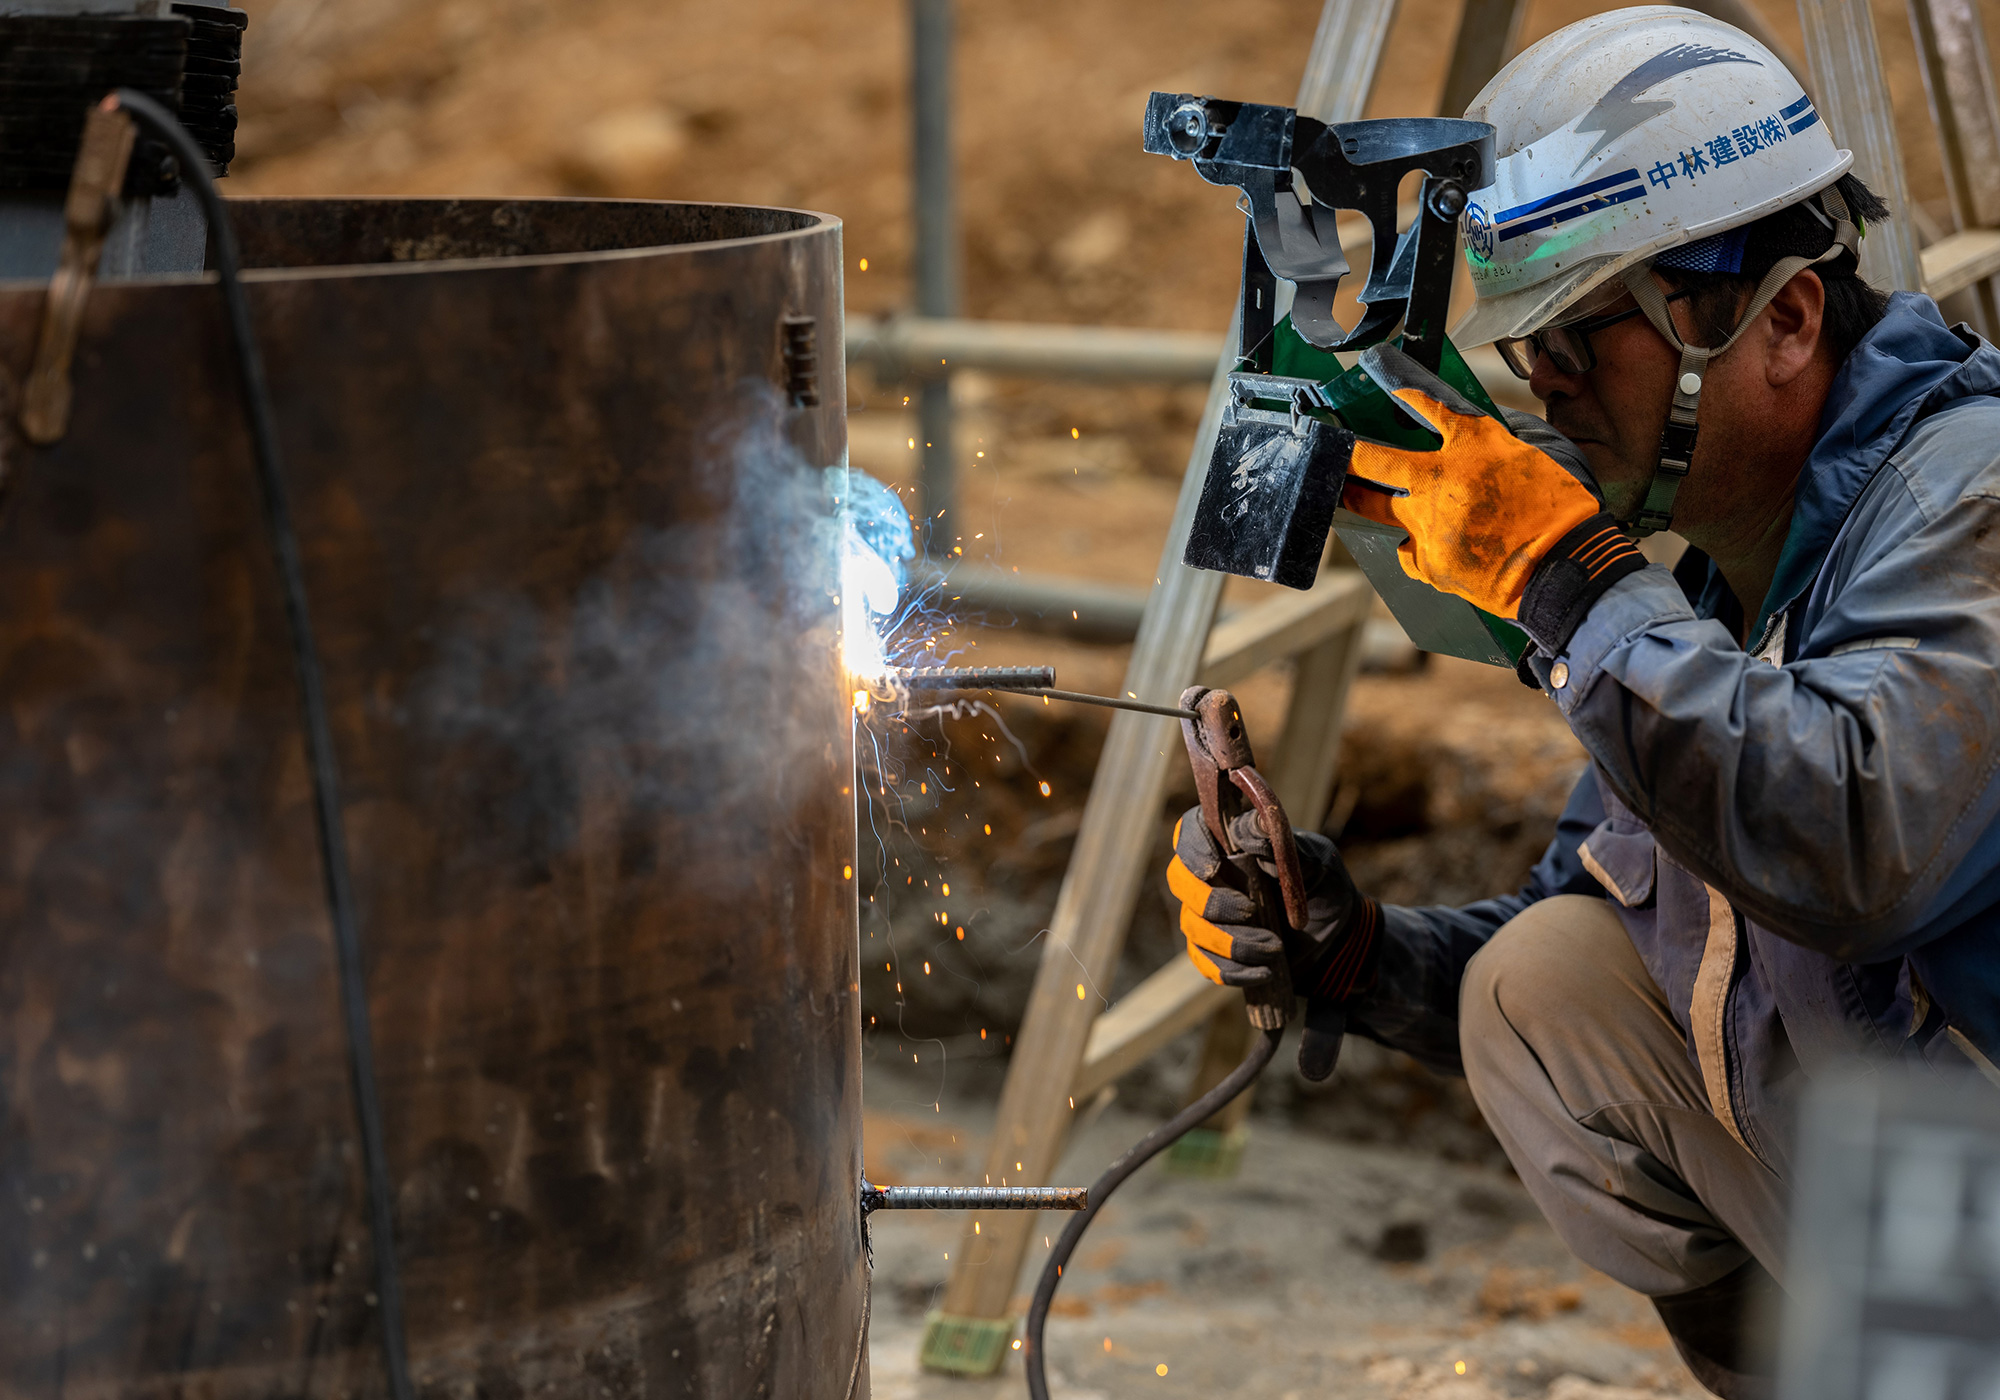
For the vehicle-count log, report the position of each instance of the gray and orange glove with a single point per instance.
(1503, 515)
(1330, 959)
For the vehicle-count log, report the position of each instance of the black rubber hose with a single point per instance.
(319, 729)
(1141, 1152)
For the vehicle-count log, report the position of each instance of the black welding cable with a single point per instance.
(162, 124)
(1141, 1152)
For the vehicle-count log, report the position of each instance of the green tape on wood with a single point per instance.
(965, 1346)
(1206, 1152)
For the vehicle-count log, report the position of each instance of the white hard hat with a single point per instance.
(1619, 138)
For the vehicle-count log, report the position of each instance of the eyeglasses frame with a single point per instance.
(1584, 329)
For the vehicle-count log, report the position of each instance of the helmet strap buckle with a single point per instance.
(1676, 452)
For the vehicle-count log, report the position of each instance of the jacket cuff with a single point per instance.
(1581, 567)
(1635, 604)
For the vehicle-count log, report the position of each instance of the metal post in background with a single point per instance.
(936, 248)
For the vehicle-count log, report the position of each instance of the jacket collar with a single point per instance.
(1907, 367)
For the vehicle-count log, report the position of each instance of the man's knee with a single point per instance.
(1550, 961)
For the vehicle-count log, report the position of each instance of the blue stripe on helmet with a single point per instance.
(1590, 188)
(1797, 107)
(1588, 206)
(1796, 127)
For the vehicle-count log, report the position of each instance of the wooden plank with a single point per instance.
(1115, 840)
(1172, 1000)
(1304, 762)
(1853, 99)
(1486, 33)
(1346, 51)
(1222, 1050)
(1958, 81)
(1285, 625)
(1956, 262)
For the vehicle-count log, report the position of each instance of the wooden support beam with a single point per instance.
(1956, 262)
(1285, 625)
(1486, 33)
(1958, 81)
(1172, 1000)
(1853, 99)
(1308, 748)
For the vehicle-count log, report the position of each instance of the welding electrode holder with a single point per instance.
(1226, 777)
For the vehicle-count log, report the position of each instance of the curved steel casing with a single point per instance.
(570, 560)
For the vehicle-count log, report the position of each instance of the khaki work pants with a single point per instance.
(1587, 1081)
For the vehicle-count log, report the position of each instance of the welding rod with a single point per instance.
(875, 1198)
(1020, 680)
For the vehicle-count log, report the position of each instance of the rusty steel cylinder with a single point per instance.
(559, 476)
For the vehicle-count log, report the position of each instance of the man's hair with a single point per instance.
(1852, 306)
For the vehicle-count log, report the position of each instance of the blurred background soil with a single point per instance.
(1451, 775)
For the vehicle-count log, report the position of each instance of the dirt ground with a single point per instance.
(1324, 1269)
(1451, 775)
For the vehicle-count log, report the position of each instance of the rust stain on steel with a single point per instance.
(557, 518)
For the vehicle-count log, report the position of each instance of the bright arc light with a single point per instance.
(876, 546)
(868, 594)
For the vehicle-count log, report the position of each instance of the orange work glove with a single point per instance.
(1491, 510)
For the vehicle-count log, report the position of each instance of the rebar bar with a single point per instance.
(974, 678)
(874, 1198)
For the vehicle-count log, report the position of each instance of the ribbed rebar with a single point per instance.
(874, 1198)
(975, 677)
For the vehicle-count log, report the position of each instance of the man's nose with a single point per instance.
(1546, 381)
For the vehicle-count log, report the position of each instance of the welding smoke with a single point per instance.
(690, 672)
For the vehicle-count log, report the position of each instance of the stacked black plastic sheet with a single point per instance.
(54, 68)
(208, 82)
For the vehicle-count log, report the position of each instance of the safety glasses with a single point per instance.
(1568, 346)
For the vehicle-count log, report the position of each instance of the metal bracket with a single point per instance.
(87, 213)
(801, 360)
(1269, 152)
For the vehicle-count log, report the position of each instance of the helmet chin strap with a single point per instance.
(1677, 439)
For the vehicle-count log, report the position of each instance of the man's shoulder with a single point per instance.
(1951, 454)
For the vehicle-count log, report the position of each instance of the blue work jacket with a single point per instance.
(1809, 830)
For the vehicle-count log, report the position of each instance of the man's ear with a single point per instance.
(1791, 328)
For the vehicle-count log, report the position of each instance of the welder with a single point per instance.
(1786, 850)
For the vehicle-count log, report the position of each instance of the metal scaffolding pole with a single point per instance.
(937, 269)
